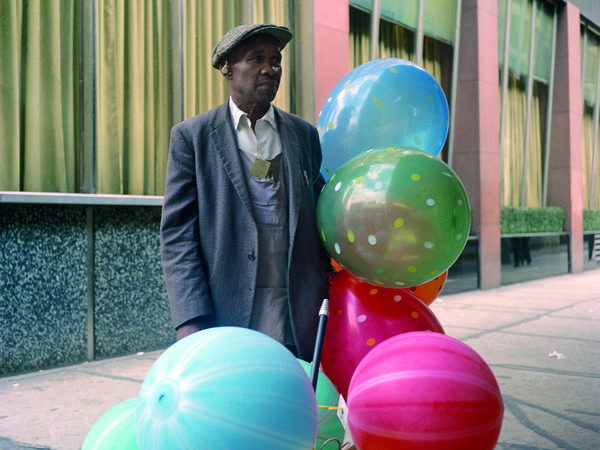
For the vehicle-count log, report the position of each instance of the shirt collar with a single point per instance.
(237, 114)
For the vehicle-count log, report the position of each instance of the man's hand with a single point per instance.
(194, 325)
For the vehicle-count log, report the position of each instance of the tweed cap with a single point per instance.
(235, 36)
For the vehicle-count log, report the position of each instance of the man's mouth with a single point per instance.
(268, 83)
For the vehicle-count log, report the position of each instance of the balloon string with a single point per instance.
(329, 407)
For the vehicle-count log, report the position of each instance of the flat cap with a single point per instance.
(236, 35)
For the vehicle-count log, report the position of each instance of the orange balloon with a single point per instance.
(336, 266)
(428, 292)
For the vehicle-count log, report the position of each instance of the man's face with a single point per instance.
(255, 67)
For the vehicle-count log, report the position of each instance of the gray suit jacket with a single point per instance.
(209, 237)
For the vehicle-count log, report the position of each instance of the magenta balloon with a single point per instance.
(424, 391)
(362, 316)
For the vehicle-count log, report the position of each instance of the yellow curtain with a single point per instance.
(359, 37)
(533, 180)
(590, 53)
(395, 41)
(11, 28)
(134, 114)
(39, 82)
(432, 59)
(513, 148)
(514, 138)
(588, 146)
(278, 13)
(204, 23)
(596, 193)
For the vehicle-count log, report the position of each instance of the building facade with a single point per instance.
(89, 91)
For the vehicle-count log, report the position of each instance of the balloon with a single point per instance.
(336, 266)
(330, 425)
(226, 387)
(115, 429)
(394, 217)
(382, 103)
(424, 391)
(362, 316)
(429, 291)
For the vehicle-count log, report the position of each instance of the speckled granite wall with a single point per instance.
(43, 303)
(132, 310)
(43, 285)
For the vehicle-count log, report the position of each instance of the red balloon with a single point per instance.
(362, 316)
(428, 292)
(424, 391)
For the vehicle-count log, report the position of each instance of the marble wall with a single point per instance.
(44, 294)
(131, 306)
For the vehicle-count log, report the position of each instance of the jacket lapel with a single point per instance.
(224, 142)
(291, 153)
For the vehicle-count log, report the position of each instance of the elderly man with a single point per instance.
(238, 235)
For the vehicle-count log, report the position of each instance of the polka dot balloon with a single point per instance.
(384, 102)
(394, 217)
(361, 317)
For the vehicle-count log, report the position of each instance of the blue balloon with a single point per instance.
(384, 103)
(226, 387)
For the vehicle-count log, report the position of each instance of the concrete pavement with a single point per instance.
(541, 339)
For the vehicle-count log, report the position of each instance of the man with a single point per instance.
(238, 235)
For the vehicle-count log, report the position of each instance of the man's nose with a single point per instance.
(271, 69)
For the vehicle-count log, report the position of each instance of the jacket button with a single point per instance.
(251, 256)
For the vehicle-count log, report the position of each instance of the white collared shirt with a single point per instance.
(263, 142)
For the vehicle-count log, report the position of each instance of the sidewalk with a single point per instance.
(541, 339)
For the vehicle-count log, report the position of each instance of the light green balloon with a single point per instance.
(394, 217)
(115, 429)
(330, 425)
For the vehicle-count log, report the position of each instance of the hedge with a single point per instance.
(591, 220)
(516, 220)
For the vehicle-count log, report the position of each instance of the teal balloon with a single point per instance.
(226, 387)
(330, 426)
(394, 217)
(385, 102)
(115, 429)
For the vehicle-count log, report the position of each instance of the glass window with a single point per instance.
(146, 56)
(590, 50)
(398, 34)
(526, 99)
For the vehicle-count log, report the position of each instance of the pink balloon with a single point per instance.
(363, 315)
(424, 391)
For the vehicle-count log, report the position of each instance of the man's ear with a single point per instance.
(225, 69)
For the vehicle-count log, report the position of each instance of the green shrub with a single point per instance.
(591, 219)
(514, 220)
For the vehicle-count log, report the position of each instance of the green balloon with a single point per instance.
(330, 425)
(394, 217)
(115, 429)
